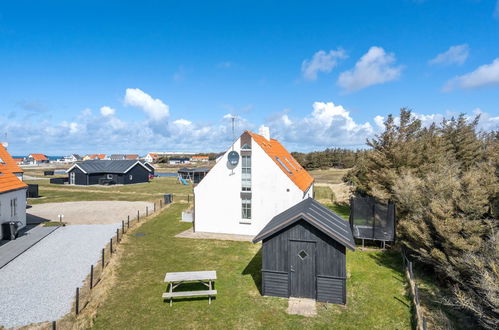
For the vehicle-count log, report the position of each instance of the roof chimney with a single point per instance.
(5, 144)
(265, 132)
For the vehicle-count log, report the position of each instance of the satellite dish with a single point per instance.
(233, 158)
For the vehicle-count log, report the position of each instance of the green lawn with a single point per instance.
(376, 293)
(323, 194)
(134, 192)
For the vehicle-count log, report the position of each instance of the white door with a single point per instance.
(72, 178)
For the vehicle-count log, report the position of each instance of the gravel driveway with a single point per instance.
(40, 284)
(101, 212)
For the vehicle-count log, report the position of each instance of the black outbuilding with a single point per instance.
(107, 172)
(195, 175)
(304, 253)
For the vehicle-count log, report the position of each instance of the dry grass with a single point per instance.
(332, 175)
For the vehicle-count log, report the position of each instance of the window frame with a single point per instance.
(246, 209)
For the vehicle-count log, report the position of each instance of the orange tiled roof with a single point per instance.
(9, 181)
(281, 156)
(132, 157)
(7, 163)
(95, 156)
(39, 157)
(200, 157)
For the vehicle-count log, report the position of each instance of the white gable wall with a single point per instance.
(5, 212)
(218, 196)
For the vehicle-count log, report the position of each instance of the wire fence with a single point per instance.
(420, 320)
(83, 294)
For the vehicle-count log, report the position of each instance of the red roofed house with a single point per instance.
(94, 156)
(132, 157)
(12, 190)
(151, 157)
(256, 179)
(36, 159)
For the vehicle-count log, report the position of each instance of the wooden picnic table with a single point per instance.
(175, 279)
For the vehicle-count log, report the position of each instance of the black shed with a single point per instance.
(108, 172)
(304, 253)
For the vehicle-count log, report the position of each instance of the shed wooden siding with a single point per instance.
(330, 262)
(80, 177)
(275, 284)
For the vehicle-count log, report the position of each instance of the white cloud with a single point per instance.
(321, 62)
(374, 67)
(182, 122)
(487, 74)
(379, 121)
(327, 125)
(487, 121)
(107, 111)
(454, 55)
(154, 108)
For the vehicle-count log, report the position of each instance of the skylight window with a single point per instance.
(287, 161)
(1, 161)
(283, 165)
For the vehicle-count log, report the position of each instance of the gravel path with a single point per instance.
(94, 212)
(40, 284)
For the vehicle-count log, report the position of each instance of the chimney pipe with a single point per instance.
(265, 132)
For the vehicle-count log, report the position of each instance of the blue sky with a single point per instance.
(145, 76)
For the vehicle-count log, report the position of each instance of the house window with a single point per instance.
(246, 172)
(110, 176)
(246, 208)
(130, 177)
(13, 207)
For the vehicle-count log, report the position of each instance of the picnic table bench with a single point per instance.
(175, 279)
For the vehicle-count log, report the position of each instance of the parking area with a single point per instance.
(93, 212)
(39, 285)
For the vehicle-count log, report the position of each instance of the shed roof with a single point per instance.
(194, 170)
(107, 166)
(9, 182)
(285, 161)
(315, 214)
(7, 163)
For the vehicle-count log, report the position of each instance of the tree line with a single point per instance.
(331, 157)
(445, 182)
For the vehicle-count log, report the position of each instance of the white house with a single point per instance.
(12, 190)
(12, 199)
(72, 158)
(151, 157)
(242, 197)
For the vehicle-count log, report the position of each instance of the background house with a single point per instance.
(178, 160)
(241, 198)
(196, 159)
(92, 172)
(94, 156)
(36, 159)
(151, 157)
(72, 158)
(304, 253)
